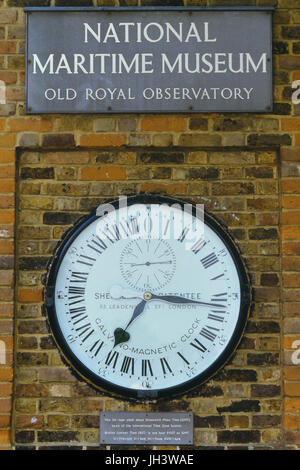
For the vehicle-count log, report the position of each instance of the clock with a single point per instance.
(147, 299)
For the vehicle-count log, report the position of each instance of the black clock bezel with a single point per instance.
(99, 382)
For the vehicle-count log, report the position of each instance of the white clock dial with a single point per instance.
(145, 300)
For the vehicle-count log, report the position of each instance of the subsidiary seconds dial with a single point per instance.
(148, 264)
(148, 299)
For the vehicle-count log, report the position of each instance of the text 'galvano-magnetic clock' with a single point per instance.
(148, 299)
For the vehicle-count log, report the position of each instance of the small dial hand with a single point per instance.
(149, 263)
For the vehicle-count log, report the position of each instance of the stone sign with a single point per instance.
(131, 60)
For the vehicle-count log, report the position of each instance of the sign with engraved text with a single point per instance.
(137, 427)
(131, 60)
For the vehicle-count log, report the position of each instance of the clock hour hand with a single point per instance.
(182, 300)
(121, 335)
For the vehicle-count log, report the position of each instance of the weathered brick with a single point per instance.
(198, 140)
(269, 139)
(264, 391)
(161, 157)
(291, 32)
(8, 16)
(60, 218)
(37, 173)
(238, 436)
(58, 436)
(58, 141)
(103, 140)
(244, 406)
(262, 359)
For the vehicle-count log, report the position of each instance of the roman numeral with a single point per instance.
(208, 334)
(183, 358)
(167, 226)
(76, 293)
(219, 297)
(77, 311)
(128, 363)
(86, 260)
(133, 226)
(198, 245)
(80, 319)
(87, 336)
(79, 291)
(183, 234)
(146, 367)
(198, 345)
(79, 277)
(215, 317)
(209, 260)
(85, 328)
(217, 277)
(114, 233)
(112, 357)
(97, 349)
(98, 245)
(164, 364)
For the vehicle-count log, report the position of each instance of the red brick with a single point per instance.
(6, 375)
(292, 421)
(170, 124)
(292, 389)
(7, 171)
(290, 153)
(33, 125)
(292, 373)
(4, 422)
(7, 156)
(104, 173)
(5, 390)
(291, 280)
(5, 405)
(7, 140)
(291, 185)
(291, 202)
(30, 295)
(7, 47)
(291, 217)
(291, 248)
(7, 187)
(8, 77)
(5, 437)
(292, 405)
(290, 124)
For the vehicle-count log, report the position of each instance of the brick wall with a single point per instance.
(243, 403)
(246, 170)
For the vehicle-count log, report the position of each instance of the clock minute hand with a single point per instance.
(182, 300)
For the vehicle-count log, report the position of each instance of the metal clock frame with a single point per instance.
(104, 385)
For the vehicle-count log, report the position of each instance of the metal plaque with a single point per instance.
(142, 60)
(139, 428)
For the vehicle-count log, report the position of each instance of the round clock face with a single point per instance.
(147, 300)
